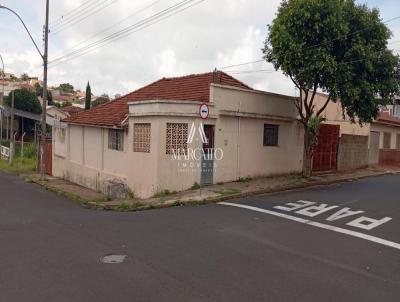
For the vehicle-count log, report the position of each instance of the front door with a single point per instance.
(207, 161)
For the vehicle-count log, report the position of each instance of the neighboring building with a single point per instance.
(57, 113)
(71, 110)
(385, 133)
(133, 142)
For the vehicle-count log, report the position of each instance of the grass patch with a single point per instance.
(195, 186)
(19, 166)
(165, 193)
(245, 179)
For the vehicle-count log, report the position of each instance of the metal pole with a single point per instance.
(12, 142)
(22, 146)
(45, 61)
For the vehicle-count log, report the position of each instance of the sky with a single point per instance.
(210, 34)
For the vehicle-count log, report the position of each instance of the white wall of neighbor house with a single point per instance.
(389, 135)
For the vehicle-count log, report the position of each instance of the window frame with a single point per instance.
(275, 128)
(142, 146)
(174, 141)
(387, 138)
(114, 143)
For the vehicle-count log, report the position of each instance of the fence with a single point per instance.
(5, 152)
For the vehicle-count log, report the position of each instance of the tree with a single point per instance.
(99, 101)
(65, 104)
(340, 48)
(24, 77)
(88, 97)
(39, 92)
(66, 87)
(25, 100)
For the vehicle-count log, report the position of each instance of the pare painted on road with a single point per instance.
(314, 209)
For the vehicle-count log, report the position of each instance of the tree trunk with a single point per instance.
(307, 154)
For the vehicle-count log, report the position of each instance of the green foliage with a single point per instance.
(99, 101)
(245, 179)
(164, 193)
(25, 100)
(65, 104)
(313, 126)
(39, 92)
(24, 165)
(88, 97)
(5, 143)
(66, 87)
(24, 77)
(339, 47)
(195, 186)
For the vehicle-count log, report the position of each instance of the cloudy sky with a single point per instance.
(199, 36)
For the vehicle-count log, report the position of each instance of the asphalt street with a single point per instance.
(335, 243)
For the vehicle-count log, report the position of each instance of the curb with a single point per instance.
(287, 188)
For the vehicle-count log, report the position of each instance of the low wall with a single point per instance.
(389, 156)
(353, 152)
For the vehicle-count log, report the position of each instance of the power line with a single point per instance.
(156, 18)
(115, 24)
(81, 17)
(241, 64)
(313, 46)
(131, 32)
(61, 18)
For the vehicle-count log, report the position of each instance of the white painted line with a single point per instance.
(317, 224)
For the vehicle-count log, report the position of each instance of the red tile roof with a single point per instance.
(386, 118)
(187, 88)
(71, 109)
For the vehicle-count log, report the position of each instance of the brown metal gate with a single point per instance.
(325, 155)
(49, 158)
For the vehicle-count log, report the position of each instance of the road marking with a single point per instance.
(318, 225)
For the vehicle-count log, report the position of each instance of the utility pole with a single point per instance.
(45, 62)
(44, 57)
(12, 142)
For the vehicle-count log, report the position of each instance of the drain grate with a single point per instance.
(113, 259)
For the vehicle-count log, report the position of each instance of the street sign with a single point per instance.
(204, 111)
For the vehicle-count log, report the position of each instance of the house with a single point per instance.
(381, 137)
(71, 110)
(175, 132)
(385, 133)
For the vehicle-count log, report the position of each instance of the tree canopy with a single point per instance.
(99, 101)
(39, 92)
(339, 47)
(66, 87)
(25, 100)
(88, 97)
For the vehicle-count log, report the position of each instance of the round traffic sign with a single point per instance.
(204, 111)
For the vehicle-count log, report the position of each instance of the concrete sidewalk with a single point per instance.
(243, 188)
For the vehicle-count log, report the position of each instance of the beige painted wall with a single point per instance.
(239, 117)
(382, 128)
(334, 115)
(84, 158)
